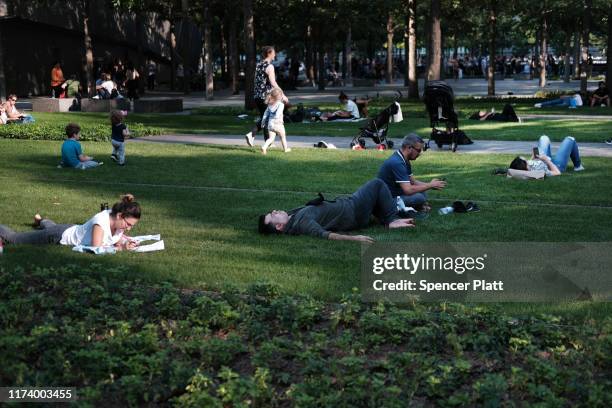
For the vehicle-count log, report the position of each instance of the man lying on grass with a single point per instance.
(324, 218)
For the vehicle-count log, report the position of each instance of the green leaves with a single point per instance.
(119, 340)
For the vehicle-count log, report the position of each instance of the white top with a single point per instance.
(352, 107)
(108, 85)
(3, 118)
(578, 99)
(274, 115)
(81, 234)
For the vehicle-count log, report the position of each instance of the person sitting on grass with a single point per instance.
(544, 161)
(601, 96)
(72, 152)
(396, 172)
(14, 115)
(324, 219)
(571, 101)
(350, 111)
(105, 229)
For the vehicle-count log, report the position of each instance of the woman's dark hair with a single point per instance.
(519, 164)
(264, 228)
(127, 207)
(267, 50)
(343, 96)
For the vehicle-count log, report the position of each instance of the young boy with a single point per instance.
(72, 152)
(119, 133)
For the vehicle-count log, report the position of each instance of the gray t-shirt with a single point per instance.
(320, 220)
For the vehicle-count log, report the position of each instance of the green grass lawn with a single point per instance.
(205, 202)
(225, 121)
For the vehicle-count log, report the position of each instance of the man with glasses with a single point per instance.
(396, 172)
(14, 116)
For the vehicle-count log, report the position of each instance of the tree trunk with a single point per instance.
(576, 67)
(348, 55)
(224, 58)
(389, 71)
(88, 68)
(435, 51)
(186, 36)
(233, 57)
(208, 57)
(172, 41)
(321, 64)
(543, 50)
(411, 66)
(249, 44)
(586, 30)
(310, 57)
(566, 60)
(492, 51)
(3, 92)
(609, 51)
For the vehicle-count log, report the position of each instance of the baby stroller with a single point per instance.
(439, 103)
(377, 128)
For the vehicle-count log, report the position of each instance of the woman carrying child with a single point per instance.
(104, 229)
(119, 133)
(273, 119)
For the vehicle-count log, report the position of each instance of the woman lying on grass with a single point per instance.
(542, 160)
(106, 228)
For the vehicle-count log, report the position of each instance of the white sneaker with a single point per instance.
(579, 168)
(537, 105)
(287, 150)
(249, 139)
(609, 141)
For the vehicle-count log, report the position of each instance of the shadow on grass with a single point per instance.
(210, 233)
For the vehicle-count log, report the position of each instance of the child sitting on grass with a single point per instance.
(273, 119)
(119, 133)
(72, 152)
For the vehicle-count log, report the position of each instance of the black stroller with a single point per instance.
(376, 129)
(439, 103)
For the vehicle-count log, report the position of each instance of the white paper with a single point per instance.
(156, 246)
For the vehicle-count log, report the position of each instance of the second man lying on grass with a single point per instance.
(325, 219)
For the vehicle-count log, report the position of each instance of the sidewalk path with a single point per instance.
(479, 146)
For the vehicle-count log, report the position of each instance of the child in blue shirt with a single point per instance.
(72, 152)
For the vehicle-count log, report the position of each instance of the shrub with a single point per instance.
(96, 133)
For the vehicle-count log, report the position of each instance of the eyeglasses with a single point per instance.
(417, 150)
(13, 99)
(128, 223)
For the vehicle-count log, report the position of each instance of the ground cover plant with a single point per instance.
(125, 343)
(224, 120)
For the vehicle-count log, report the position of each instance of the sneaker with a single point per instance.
(537, 105)
(287, 150)
(579, 168)
(263, 150)
(101, 163)
(609, 141)
(249, 139)
(114, 158)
